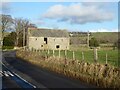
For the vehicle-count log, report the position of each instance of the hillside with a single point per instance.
(102, 37)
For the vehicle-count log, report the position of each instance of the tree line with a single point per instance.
(19, 27)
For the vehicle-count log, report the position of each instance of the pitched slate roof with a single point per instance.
(47, 33)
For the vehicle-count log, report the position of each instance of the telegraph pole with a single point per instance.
(27, 35)
(24, 37)
(88, 39)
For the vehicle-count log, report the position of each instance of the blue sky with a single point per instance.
(69, 15)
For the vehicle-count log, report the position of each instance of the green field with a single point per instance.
(89, 56)
(102, 38)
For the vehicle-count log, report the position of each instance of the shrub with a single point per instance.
(93, 42)
(116, 44)
(8, 41)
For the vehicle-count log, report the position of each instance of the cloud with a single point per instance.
(79, 13)
(103, 30)
(5, 7)
(98, 5)
(39, 22)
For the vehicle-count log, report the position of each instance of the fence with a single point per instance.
(91, 56)
(60, 62)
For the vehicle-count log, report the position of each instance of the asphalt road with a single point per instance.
(12, 80)
(7, 82)
(42, 78)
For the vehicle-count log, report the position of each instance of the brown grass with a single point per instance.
(96, 74)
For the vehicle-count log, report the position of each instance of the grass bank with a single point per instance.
(97, 74)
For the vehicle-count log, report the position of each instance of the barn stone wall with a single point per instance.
(53, 43)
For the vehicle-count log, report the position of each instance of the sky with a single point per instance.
(72, 16)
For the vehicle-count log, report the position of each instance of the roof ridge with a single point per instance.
(49, 32)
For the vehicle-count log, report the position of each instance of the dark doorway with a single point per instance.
(45, 39)
(57, 46)
(41, 45)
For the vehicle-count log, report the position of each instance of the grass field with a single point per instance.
(102, 37)
(89, 55)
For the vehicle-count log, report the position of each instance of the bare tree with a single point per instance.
(6, 23)
(21, 27)
(18, 25)
(25, 31)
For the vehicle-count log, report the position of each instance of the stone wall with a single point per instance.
(53, 43)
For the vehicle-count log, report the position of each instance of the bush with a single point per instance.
(116, 44)
(8, 41)
(93, 42)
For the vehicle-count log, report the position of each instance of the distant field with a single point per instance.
(102, 37)
(106, 36)
(88, 55)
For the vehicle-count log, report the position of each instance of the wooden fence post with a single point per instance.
(33, 50)
(65, 54)
(106, 58)
(95, 55)
(45, 54)
(53, 53)
(59, 53)
(24, 48)
(36, 50)
(39, 52)
(48, 51)
(73, 55)
(82, 56)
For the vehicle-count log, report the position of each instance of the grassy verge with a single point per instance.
(7, 47)
(98, 74)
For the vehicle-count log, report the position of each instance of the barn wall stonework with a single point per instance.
(62, 42)
(53, 43)
(36, 42)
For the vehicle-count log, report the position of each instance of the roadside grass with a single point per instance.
(97, 74)
(7, 47)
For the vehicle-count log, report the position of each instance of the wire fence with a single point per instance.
(100, 56)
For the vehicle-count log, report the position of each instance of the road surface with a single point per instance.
(15, 80)
(40, 77)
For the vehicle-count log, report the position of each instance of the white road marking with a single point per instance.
(1, 73)
(5, 73)
(20, 77)
(10, 73)
(24, 80)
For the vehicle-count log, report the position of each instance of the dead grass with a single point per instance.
(98, 74)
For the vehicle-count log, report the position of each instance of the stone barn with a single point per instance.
(44, 39)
